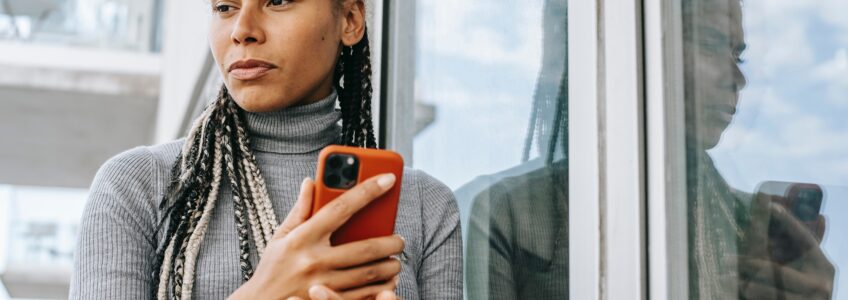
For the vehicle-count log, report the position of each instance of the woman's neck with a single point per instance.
(295, 130)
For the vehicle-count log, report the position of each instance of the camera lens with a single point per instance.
(349, 173)
(334, 162)
(333, 180)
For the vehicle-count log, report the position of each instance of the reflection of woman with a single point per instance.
(192, 218)
(727, 228)
(518, 229)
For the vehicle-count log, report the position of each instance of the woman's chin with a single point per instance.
(254, 101)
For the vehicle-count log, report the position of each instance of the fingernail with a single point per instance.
(318, 293)
(386, 181)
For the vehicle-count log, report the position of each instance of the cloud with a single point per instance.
(774, 49)
(469, 30)
(784, 142)
(833, 74)
(832, 12)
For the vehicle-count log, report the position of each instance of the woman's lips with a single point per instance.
(250, 69)
(245, 74)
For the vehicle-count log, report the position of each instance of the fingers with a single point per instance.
(793, 228)
(775, 275)
(376, 272)
(361, 252)
(320, 292)
(757, 241)
(387, 295)
(756, 290)
(371, 290)
(337, 212)
(300, 212)
(821, 228)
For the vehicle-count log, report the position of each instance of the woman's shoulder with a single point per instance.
(136, 171)
(426, 185)
(166, 153)
(434, 200)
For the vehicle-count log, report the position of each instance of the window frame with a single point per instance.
(397, 65)
(667, 205)
(607, 101)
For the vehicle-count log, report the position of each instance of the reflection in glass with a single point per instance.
(518, 230)
(496, 85)
(756, 230)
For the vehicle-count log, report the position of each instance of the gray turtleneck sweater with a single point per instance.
(117, 242)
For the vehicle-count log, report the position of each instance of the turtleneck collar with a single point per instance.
(295, 130)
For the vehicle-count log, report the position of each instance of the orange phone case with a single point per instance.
(378, 217)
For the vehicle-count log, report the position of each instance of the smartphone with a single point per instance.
(340, 168)
(802, 200)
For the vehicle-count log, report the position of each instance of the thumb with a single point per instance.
(320, 292)
(300, 212)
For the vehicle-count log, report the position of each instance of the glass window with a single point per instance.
(38, 231)
(491, 115)
(766, 95)
(113, 24)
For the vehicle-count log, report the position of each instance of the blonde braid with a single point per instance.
(256, 182)
(258, 238)
(197, 238)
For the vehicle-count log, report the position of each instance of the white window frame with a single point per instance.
(606, 109)
(667, 199)
(607, 138)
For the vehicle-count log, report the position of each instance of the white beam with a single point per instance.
(184, 50)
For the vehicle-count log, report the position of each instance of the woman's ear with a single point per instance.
(353, 26)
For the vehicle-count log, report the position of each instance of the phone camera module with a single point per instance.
(341, 171)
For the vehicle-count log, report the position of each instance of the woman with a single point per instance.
(191, 218)
(737, 241)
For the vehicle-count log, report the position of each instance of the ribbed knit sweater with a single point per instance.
(117, 241)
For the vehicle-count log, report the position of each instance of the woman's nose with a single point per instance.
(247, 28)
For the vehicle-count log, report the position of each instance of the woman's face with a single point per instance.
(717, 42)
(274, 54)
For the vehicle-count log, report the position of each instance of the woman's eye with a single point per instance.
(222, 8)
(277, 2)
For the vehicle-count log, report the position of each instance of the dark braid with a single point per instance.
(229, 138)
(560, 122)
(353, 83)
(549, 111)
(218, 147)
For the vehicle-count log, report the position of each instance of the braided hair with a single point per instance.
(218, 147)
(549, 111)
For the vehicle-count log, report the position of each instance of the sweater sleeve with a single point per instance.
(116, 246)
(489, 252)
(440, 274)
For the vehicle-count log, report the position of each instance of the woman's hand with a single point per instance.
(320, 292)
(300, 255)
(783, 258)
